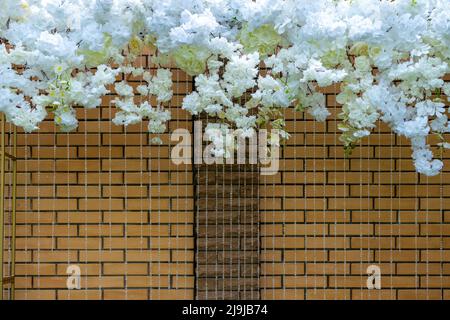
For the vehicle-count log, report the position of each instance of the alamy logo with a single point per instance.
(374, 277)
(227, 146)
(74, 278)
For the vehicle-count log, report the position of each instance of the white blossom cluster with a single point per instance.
(159, 85)
(251, 59)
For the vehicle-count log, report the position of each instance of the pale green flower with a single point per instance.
(333, 58)
(95, 58)
(263, 39)
(360, 49)
(191, 59)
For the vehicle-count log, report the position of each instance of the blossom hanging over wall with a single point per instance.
(387, 57)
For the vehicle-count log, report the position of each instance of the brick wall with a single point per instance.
(326, 218)
(106, 200)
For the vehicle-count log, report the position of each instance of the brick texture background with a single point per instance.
(105, 199)
(326, 218)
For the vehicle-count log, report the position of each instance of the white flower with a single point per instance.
(440, 124)
(257, 56)
(223, 140)
(26, 117)
(271, 93)
(424, 163)
(104, 75)
(415, 127)
(161, 85)
(158, 119)
(324, 77)
(195, 27)
(444, 145)
(65, 118)
(360, 113)
(143, 90)
(221, 46)
(361, 133)
(213, 108)
(123, 89)
(125, 118)
(319, 112)
(192, 103)
(240, 74)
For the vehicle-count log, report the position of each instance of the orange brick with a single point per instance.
(375, 294)
(304, 255)
(147, 281)
(54, 256)
(74, 191)
(419, 294)
(78, 217)
(101, 204)
(270, 281)
(419, 268)
(78, 243)
(182, 255)
(171, 294)
(282, 242)
(330, 216)
(103, 178)
(125, 269)
(54, 204)
(348, 177)
(282, 269)
(124, 191)
(351, 229)
(123, 165)
(125, 217)
(171, 268)
(131, 294)
(176, 243)
(102, 255)
(287, 294)
(181, 230)
(124, 243)
(35, 269)
(77, 165)
(97, 151)
(401, 230)
(35, 243)
(181, 282)
(394, 204)
(88, 294)
(271, 217)
(328, 294)
(53, 152)
(50, 178)
(350, 203)
(147, 230)
(35, 294)
(151, 256)
(101, 230)
(54, 230)
(308, 282)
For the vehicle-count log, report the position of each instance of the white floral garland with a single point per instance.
(389, 58)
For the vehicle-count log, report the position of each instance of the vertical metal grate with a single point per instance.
(8, 192)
